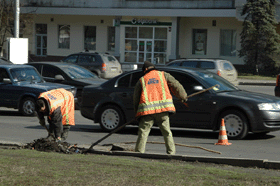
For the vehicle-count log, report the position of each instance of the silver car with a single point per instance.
(223, 68)
(103, 65)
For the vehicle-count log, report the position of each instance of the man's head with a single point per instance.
(147, 65)
(41, 105)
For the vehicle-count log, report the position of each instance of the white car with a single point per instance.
(223, 68)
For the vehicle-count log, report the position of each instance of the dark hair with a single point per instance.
(41, 103)
(148, 65)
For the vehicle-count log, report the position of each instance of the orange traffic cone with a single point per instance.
(223, 140)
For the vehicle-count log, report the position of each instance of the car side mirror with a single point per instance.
(7, 80)
(59, 77)
(198, 88)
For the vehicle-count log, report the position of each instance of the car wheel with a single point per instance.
(111, 118)
(27, 106)
(236, 124)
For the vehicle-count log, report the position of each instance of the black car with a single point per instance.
(20, 85)
(111, 105)
(67, 73)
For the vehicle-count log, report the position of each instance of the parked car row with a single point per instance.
(109, 102)
(20, 85)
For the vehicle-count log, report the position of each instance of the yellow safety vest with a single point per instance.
(63, 99)
(155, 96)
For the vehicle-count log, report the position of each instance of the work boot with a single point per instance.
(50, 137)
(65, 132)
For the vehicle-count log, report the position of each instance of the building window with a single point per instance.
(90, 38)
(64, 36)
(111, 38)
(41, 39)
(199, 41)
(41, 29)
(228, 43)
(160, 45)
(146, 44)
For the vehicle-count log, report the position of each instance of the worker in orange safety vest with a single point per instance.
(59, 106)
(153, 104)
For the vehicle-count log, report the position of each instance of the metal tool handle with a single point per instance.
(194, 94)
(112, 132)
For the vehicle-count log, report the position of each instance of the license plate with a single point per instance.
(113, 69)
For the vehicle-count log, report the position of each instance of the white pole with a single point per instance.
(17, 13)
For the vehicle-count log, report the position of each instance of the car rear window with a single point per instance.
(175, 64)
(124, 81)
(207, 65)
(71, 59)
(86, 59)
(191, 64)
(227, 66)
(111, 58)
(49, 71)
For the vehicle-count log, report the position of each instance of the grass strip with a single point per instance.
(31, 167)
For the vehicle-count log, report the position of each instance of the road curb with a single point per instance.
(257, 83)
(241, 162)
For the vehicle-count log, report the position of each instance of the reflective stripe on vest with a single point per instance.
(154, 81)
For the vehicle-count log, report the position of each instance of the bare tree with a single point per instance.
(7, 13)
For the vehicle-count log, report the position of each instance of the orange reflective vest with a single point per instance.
(155, 96)
(63, 99)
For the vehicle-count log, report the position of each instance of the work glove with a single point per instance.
(42, 123)
(184, 100)
(58, 140)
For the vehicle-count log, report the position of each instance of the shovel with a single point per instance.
(122, 126)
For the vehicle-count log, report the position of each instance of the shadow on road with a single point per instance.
(181, 133)
(11, 113)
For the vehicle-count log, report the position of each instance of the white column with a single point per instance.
(174, 38)
(117, 37)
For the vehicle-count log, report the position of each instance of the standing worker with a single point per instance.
(58, 105)
(153, 103)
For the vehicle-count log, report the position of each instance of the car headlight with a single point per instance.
(73, 91)
(269, 106)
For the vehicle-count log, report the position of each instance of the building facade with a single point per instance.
(135, 30)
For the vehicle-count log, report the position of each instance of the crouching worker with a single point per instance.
(58, 106)
(153, 104)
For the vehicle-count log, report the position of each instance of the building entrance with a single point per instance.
(144, 43)
(145, 50)
(41, 45)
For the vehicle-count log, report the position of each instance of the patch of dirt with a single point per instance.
(45, 145)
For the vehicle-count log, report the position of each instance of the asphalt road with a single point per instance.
(17, 128)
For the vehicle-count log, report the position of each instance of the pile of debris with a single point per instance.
(46, 145)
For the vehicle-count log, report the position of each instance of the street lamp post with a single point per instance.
(17, 13)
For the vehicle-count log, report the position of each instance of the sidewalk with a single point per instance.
(127, 150)
(257, 82)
